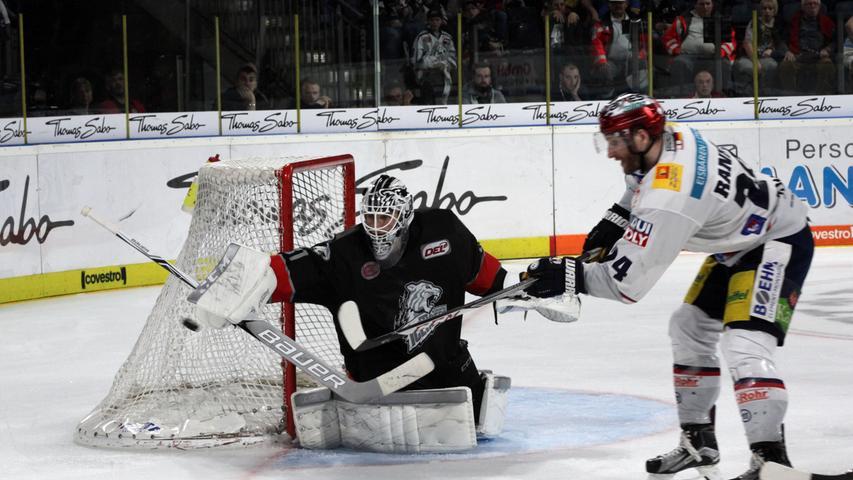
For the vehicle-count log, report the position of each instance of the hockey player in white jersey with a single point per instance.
(684, 193)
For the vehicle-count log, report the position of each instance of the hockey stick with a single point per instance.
(775, 471)
(350, 321)
(351, 391)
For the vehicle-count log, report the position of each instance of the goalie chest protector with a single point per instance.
(440, 259)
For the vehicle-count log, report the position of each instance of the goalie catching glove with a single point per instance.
(242, 282)
(606, 233)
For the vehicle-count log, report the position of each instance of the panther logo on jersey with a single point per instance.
(419, 302)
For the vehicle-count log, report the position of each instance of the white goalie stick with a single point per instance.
(290, 350)
(774, 471)
(350, 320)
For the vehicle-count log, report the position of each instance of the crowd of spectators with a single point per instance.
(598, 49)
(702, 48)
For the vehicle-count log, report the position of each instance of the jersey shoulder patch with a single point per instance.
(668, 176)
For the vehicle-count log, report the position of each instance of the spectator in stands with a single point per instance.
(244, 94)
(771, 50)
(664, 13)
(524, 25)
(398, 26)
(481, 89)
(571, 25)
(311, 96)
(690, 40)
(571, 89)
(807, 67)
(396, 95)
(848, 53)
(704, 86)
(80, 97)
(484, 29)
(434, 58)
(612, 52)
(114, 102)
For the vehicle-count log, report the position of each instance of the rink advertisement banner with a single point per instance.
(76, 128)
(24, 225)
(12, 131)
(264, 122)
(173, 125)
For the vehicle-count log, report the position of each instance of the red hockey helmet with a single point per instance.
(630, 111)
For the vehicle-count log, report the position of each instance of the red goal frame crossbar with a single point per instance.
(288, 311)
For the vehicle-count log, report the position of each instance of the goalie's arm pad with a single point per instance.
(490, 278)
(304, 275)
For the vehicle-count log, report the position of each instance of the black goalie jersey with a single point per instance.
(442, 260)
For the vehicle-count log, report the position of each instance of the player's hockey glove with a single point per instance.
(242, 282)
(556, 277)
(606, 233)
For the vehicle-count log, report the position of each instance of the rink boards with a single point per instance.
(524, 191)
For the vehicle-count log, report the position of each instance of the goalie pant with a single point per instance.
(441, 261)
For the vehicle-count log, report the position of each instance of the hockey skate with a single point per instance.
(763, 452)
(697, 452)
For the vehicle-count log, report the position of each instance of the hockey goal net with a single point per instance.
(222, 387)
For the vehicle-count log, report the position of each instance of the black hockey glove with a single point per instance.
(603, 236)
(556, 277)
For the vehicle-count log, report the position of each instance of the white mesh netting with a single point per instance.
(219, 387)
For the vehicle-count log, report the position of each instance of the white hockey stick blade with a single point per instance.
(292, 351)
(775, 471)
(350, 321)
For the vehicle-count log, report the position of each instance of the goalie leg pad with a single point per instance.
(696, 367)
(315, 415)
(415, 421)
(493, 406)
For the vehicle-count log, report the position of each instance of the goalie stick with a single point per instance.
(350, 321)
(350, 390)
(775, 471)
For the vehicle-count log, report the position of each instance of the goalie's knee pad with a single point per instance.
(493, 406)
(760, 393)
(415, 421)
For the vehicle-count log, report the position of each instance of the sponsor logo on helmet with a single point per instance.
(435, 249)
(668, 176)
(370, 270)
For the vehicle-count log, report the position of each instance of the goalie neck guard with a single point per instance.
(387, 212)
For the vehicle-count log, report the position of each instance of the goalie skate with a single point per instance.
(696, 455)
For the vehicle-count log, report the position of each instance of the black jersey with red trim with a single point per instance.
(441, 261)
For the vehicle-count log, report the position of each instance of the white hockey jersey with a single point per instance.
(700, 198)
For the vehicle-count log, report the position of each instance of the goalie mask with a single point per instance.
(386, 210)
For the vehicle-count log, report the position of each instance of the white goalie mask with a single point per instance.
(386, 211)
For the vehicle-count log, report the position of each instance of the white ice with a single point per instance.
(58, 357)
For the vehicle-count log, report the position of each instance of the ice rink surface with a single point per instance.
(591, 400)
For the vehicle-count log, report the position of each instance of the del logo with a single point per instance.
(435, 249)
(754, 225)
(638, 232)
(103, 277)
(668, 176)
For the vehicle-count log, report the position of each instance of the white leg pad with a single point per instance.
(493, 406)
(315, 415)
(417, 421)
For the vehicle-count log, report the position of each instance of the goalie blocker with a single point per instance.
(416, 421)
